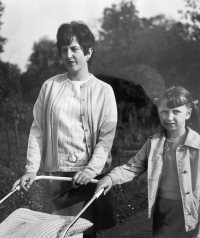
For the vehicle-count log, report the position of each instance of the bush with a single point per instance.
(19, 199)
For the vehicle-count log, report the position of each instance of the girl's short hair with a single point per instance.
(176, 96)
(67, 31)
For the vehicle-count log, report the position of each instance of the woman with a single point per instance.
(75, 118)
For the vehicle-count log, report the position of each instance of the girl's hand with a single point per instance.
(81, 177)
(105, 183)
(25, 181)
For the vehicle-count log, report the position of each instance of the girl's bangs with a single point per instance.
(175, 99)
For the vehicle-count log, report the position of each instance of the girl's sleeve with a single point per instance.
(35, 141)
(136, 166)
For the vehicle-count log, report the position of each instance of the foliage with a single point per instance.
(9, 80)
(130, 198)
(115, 43)
(19, 199)
(191, 18)
(169, 47)
(146, 76)
(43, 64)
(2, 39)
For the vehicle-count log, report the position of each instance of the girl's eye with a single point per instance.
(176, 112)
(163, 112)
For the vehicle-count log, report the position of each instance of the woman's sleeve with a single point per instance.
(136, 166)
(35, 141)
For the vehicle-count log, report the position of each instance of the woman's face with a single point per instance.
(173, 119)
(73, 57)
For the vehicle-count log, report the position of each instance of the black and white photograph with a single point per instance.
(99, 118)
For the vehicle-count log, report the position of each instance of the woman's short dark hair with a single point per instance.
(176, 96)
(67, 31)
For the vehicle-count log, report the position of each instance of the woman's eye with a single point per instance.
(64, 51)
(75, 49)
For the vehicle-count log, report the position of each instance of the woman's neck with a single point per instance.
(79, 76)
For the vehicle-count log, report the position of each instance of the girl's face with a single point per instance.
(173, 119)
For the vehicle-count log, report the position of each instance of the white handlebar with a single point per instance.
(45, 177)
(60, 178)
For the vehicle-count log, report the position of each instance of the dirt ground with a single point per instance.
(138, 226)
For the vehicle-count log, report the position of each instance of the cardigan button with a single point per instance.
(72, 159)
(184, 172)
(188, 213)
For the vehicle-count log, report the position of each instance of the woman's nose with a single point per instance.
(69, 53)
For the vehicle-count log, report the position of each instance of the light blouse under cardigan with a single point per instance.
(99, 117)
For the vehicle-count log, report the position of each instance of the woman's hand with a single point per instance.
(105, 183)
(81, 177)
(25, 181)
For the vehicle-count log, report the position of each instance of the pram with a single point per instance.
(24, 223)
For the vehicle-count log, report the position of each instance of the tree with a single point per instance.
(116, 37)
(9, 80)
(2, 40)
(167, 46)
(191, 19)
(43, 64)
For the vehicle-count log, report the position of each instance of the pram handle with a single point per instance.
(60, 178)
(95, 196)
(43, 177)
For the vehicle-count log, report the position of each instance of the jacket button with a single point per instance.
(181, 149)
(188, 227)
(188, 213)
(86, 129)
(184, 172)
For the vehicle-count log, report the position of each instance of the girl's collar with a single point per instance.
(192, 138)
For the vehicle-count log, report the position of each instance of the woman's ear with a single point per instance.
(89, 54)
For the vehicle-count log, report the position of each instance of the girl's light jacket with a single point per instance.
(150, 158)
(99, 117)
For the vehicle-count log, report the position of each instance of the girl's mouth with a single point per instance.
(170, 123)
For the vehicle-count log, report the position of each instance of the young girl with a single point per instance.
(172, 159)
